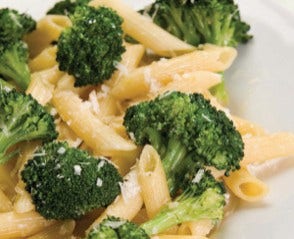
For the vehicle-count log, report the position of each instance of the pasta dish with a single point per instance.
(141, 147)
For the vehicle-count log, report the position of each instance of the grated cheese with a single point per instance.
(99, 182)
(198, 176)
(77, 170)
(130, 187)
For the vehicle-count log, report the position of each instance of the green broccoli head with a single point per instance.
(202, 198)
(13, 25)
(67, 7)
(14, 58)
(66, 183)
(91, 48)
(187, 131)
(117, 228)
(216, 140)
(22, 118)
(201, 21)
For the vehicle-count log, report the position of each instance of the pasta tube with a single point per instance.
(153, 182)
(246, 186)
(141, 80)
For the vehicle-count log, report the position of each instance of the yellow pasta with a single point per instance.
(140, 81)
(48, 30)
(65, 133)
(100, 137)
(196, 81)
(107, 104)
(17, 225)
(246, 127)
(178, 237)
(130, 60)
(56, 231)
(42, 84)
(46, 59)
(261, 148)
(5, 203)
(23, 201)
(7, 182)
(145, 31)
(153, 181)
(246, 186)
(197, 228)
(129, 203)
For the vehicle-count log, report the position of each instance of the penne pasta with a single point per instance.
(246, 186)
(141, 80)
(197, 228)
(128, 204)
(178, 237)
(100, 137)
(246, 127)
(23, 201)
(56, 231)
(153, 181)
(17, 225)
(130, 60)
(261, 148)
(45, 60)
(5, 203)
(42, 84)
(48, 30)
(197, 81)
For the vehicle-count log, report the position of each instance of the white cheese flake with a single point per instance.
(77, 170)
(101, 164)
(115, 225)
(206, 117)
(198, 176)
(123, 70)
(61, 150)
(99, 182)
(94, 102)
(130, 186)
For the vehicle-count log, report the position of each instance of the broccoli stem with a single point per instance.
(8, 140)
(4, 85)
(172, 157)
(173, 163)
(14, 68)
(209, 205)
(156, 141)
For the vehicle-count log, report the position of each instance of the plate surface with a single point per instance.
(261, 87)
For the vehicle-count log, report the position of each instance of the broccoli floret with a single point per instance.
(14, 53)
(13, 25)
(13, 63)
(187, 131)
(117, 228)
(201, 21)
(66, 183)
(67, 7)
(22, 118)
(92, 47)
(202, 198)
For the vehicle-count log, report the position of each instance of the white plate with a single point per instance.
(261, 86)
